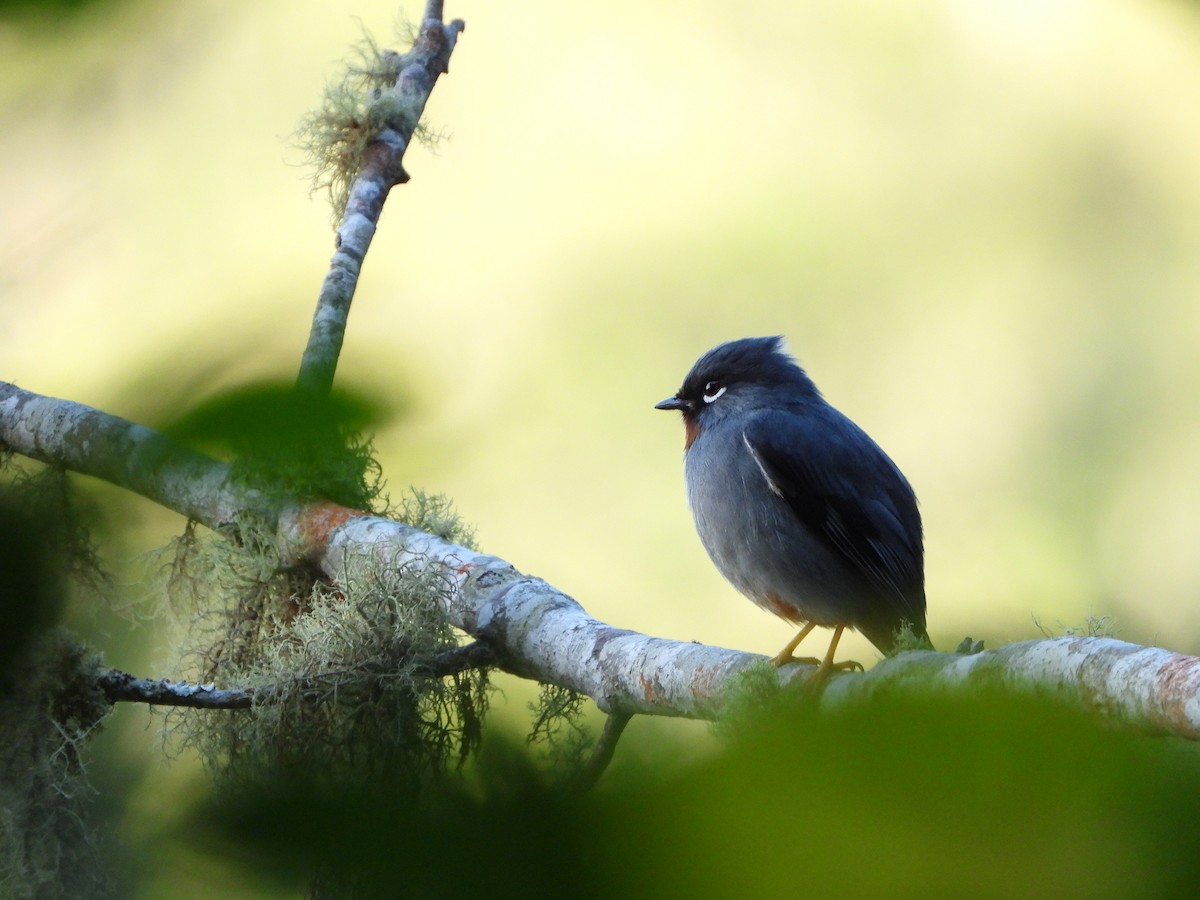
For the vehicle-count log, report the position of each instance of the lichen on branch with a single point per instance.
(342, 669)
(381, 95)
(353, 112)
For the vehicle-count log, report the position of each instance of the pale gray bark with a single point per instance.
(541, 633)
(76, 437)
(1148, 689)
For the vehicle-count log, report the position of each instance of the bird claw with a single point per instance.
(847, 665)
(782, 660)
(824, 667)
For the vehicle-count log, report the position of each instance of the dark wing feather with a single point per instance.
(845, 489)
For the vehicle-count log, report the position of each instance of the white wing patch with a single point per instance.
(758, 462)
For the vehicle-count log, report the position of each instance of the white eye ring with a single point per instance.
(709, 398)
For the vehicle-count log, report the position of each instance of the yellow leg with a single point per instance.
(824, 666)
(785, 655)
(828, 665)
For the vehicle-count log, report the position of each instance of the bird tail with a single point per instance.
(892, 637)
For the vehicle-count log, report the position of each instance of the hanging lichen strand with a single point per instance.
(342, 675)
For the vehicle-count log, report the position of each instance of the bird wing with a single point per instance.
(846, 490)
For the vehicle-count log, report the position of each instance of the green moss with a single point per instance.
(435, 514)
(339, 666)
(907, 639)
(747, 695)
(353, 112)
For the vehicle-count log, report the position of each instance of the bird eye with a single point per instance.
(713, 390)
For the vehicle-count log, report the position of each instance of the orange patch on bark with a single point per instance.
(1176, 683)
(318, 521)
(651, 690)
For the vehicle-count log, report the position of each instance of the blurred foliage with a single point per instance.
(45, 544)
(32, 589)
(46, 10)
(50, 708)
(50, 704)
(986, 796)
(291, 443)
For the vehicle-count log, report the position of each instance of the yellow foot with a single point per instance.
(846, 665)
(827, 665)
(824, 666)
(827, 668)
(782, 660)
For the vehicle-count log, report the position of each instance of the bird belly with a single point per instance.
(765, 552)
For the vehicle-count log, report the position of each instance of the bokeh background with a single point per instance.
(978, 225)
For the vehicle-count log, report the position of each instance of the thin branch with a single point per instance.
(614, 727)
(381, 169)
(475, 655)
(121, 687)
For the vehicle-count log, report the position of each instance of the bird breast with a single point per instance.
(755, 540)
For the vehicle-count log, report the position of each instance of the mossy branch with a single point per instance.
(357, 140)
(538, 632)
(121, 687)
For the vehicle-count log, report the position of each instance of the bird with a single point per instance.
(797, 507)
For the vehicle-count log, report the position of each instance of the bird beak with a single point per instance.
(673, 403)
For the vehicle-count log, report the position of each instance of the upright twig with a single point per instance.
(395, 115)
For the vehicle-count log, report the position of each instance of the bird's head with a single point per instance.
(751, 373)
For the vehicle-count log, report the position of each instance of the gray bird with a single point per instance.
(799, 509)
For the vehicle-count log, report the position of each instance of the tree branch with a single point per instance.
(538, 632)
(1147, 689)
(542, 633)
(121, 687)
(380, 170)
(73, 436)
